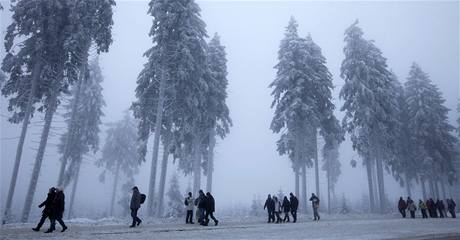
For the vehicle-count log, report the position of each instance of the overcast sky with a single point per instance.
(246, 162)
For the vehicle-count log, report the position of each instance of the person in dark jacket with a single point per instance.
(58, 211)
(294, 206)
(210, 209)
(134, 205)
(48, 210)
(451, 207)
(315, 205)
(402, 205)
(441, 208)
(200, 202)
(434, 212)
(286, 209)
(270, 206)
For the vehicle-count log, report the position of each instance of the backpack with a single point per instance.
(186, 202)
(143, 197)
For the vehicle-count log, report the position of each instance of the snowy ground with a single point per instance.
(355, 227)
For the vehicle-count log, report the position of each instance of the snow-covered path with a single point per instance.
(392, 228)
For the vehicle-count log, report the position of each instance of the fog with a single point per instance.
(246, 161)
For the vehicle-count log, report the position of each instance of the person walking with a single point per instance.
(58, 211)
(270, 206)
(277, 209)
(189, 203)
(422, 206)
(440, 207)
(315, 205)
(200, 202)
(286, 209)
(412, 208)
(134, 206)
(402, 205)
(451, 207)
(48, 210)
(431, 205)
(210, 209)
(294, 206)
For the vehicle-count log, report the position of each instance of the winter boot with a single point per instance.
(64, 228)
(36, 229)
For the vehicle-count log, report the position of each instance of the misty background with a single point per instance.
(246, 161)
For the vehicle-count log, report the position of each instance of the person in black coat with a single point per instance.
(294, 206)
(48, 210)
(58, 211)
(270, 206)
(286, 209)
(441, 208)
(200, 202)
(134, 205)
(451, 207)
(210, 209)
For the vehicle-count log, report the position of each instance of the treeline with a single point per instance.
(401, 128)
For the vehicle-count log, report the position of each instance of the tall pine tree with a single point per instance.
(369, 105)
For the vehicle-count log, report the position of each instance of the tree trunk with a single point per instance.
(422, 183)
(303, 198)
(407, 182)
(196, 166)
(164, 168)
(432, 192)
(41, 151)
(74, 189)
(210, 166)
(443, 188)
(297, 189)
(114, 190)
(381, 184)
(436, 188)
(156, 144)
(25, 124)
(315, 156)
(328, 175)
(371, 185)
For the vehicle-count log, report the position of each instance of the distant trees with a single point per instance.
(176, 199)
(83, 120)
(119, 154)
(369, 106)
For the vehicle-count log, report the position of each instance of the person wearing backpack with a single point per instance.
(136, 199)
(189, 203)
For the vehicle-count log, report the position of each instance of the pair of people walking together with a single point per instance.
(54, 206)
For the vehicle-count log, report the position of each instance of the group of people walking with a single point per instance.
(427, 208)
(275, 207)
(206, 206)
(54, 206)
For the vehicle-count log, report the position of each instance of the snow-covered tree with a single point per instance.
(176, 199)
(82, 136)
(431, 132)
(369, 105)
(2, 78)
(218, 120)
(174, 72)
(302, 101)
(119, 154)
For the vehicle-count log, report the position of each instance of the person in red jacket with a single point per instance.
(402, 205)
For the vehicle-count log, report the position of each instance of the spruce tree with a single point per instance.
(369, 105)
(174, 72)
(431, 133)
(119, 154)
